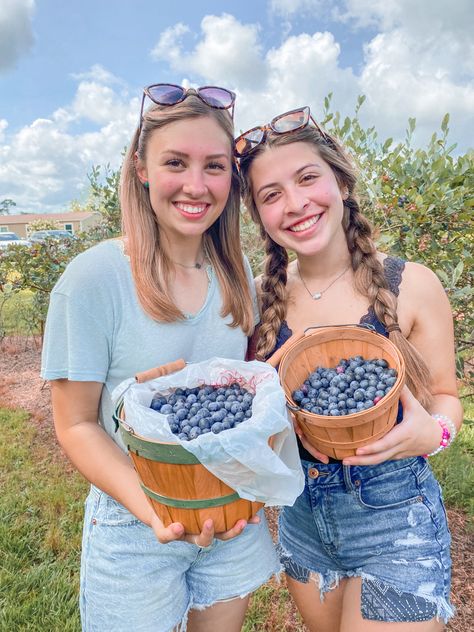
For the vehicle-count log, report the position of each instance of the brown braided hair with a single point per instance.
(368, 271)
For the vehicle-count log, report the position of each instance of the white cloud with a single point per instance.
(16, 35)
(419, 63)
(43, 167)
(3, 127)
(229, 52)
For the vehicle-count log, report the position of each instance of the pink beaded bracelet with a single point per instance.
(449, 432)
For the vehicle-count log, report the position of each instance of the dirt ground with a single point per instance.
(22, 387)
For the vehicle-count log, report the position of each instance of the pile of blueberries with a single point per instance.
(191, 412)
(353, 385)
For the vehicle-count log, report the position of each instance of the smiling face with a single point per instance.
(188, 168)
(298, 198)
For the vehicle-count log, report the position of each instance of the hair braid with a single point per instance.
(370, 281)
(273, 297)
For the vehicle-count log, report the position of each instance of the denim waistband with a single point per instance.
(350, 476)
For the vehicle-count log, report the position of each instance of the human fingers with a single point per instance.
(312, 450)
(174, 531)
(234, 532)
(204, 538)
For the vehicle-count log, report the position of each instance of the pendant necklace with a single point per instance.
(317, 295)
(195, 266)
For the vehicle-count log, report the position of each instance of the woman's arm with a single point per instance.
(422, 303)
(99, 459)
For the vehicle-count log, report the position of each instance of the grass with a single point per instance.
(41, 520)
(40, 531)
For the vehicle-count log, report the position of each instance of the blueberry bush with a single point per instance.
(35, 269)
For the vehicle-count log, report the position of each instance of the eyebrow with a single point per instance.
(297, 173)
(181, 154)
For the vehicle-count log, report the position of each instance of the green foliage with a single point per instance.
(421, 201)
(36, 268)
(6, 205)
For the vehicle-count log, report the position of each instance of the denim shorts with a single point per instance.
(130, 581)
(384, 523)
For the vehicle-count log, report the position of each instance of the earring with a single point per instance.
(146, 184)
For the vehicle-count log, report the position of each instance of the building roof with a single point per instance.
(26, 218)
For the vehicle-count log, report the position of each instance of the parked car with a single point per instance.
(42, 235)
(12, 239)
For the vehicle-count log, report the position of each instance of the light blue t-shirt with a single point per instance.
(96, 329)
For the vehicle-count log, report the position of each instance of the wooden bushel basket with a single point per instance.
(340, 436)
(178, 486)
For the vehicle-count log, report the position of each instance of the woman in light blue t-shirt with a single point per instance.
(175, 286)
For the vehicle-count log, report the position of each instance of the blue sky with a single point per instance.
(71, 73)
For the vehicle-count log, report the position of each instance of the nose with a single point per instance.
(296, 199)
(195, 185)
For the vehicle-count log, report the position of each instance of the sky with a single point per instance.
(72, 74)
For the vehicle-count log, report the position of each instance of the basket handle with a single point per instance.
(275, 358)
(159, 371)
(361, 325)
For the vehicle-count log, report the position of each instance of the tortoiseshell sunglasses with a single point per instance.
(282, 124)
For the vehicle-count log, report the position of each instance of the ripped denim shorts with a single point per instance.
(384, 523)
(130, 581)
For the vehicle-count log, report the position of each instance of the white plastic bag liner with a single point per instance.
(241, 457)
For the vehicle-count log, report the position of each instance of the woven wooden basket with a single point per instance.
(339, 437)
(178, 486)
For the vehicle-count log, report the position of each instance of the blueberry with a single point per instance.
(226, 425)
(166, 409)
(298, 396)
(216, 427)
(350, 402)
(194, 432)
(183, 436)
(359, 395)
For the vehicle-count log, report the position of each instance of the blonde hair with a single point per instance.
(368, 271)
(151, 267)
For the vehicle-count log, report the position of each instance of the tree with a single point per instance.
(6, 205)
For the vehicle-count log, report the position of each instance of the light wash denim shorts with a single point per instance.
(384, 523)
(131, 582)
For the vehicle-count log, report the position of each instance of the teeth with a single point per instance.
(304, 225)
(188, 208)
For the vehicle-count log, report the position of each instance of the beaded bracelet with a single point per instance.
(449, 433)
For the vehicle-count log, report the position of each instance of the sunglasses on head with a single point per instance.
(170, 94)
(282, 124)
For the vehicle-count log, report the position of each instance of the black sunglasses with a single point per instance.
(171, 94)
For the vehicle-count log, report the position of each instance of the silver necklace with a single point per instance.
(317, 295)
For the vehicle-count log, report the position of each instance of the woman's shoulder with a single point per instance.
(94, 267)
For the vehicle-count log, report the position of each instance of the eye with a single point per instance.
(216, 166)
(174, 162)
(308, 178)
(270, 197)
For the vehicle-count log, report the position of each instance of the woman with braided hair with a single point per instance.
(366, 545)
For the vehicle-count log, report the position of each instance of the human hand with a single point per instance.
(306, 444)
(417, 434)
(175, 531)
